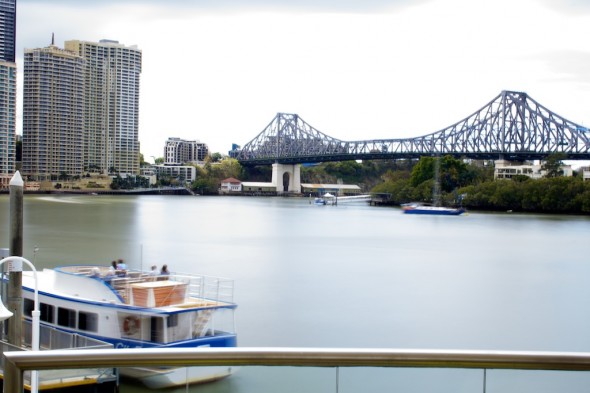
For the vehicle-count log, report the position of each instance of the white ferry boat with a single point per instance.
(139, 310)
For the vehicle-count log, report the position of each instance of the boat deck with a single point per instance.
(143, 289)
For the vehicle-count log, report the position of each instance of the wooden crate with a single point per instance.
(158, 293)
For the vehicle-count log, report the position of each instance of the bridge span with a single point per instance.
(512, 126)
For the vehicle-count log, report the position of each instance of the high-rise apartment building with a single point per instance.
(7, 91)
(7, 30)
(53, 113)
(178, 151)
(7, 122)
(111, 110)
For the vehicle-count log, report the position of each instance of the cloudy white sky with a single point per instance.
(219, 70)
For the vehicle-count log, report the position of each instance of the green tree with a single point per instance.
(216, 157)
(452, 172)
(552, 165)
(228, 167)
(422, 171)
(164, 180)
(263, 173)
(348, 171)
(507, 195)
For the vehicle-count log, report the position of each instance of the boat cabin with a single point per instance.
(134, 310)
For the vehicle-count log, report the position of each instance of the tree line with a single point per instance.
(473, 186)
(470, 184)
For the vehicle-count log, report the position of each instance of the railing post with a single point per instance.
(13, 378)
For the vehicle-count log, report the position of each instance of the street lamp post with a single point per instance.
(15, 265)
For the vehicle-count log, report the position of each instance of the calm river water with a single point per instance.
(344, 276)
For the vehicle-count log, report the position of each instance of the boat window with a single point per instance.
(28, 307)
(45, 309)
(157, 329)
(46, 312)
(172, 320)
(66, 317)
(88, 321)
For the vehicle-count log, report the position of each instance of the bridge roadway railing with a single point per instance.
(18, 362)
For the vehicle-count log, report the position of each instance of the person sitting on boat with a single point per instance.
(121, 270)
(164, 271)
(154, 271)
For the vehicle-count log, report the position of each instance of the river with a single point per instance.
(351, 275)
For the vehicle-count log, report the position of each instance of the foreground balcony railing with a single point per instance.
(18, 362)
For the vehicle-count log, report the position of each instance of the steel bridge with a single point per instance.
(512, 126)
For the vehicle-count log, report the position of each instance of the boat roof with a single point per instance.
(136, 289)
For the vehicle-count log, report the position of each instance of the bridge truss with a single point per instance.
(512, 126)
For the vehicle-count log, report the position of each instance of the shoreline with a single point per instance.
(143, 191)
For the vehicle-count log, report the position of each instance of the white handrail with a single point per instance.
(18, 362)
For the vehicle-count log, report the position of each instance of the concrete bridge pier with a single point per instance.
(286, 177)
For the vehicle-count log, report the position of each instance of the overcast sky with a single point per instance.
(219, 70)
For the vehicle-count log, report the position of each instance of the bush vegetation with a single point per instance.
(474, 187)
(470, 184)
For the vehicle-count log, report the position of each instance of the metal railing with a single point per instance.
(18, 362)
(53, 339)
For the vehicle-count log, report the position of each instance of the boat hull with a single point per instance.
(440, 211)
(168, 377)
(162, 378)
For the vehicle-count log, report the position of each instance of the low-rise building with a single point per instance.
(506, 170)
(260, 188)
(263, 188)
(150, 174)
(183, 173)
(584, 171)
(230, 185)
(335, 189)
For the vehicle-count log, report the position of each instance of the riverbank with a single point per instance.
(138, 191)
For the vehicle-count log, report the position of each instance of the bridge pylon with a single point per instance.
(286, 178)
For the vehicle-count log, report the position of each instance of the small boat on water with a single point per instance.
(326, 199)
(319, 201)
(418, 208)
(435, 208)
(137, 309)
